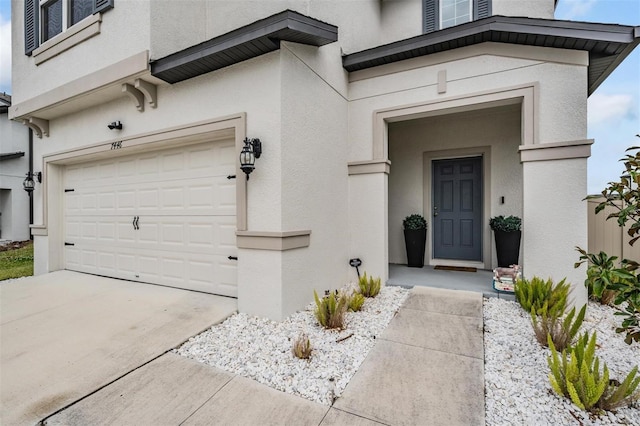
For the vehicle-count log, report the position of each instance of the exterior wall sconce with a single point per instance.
(252, 149)
(29, 184)
(115, 125)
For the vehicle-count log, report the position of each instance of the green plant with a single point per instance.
(330, 310)
(622, 394)
(16, 262)
(369, 287)
(540, 295)
(505, 224)
(356, 301)
(414, 221)
(624, 196)
(601, 275)
(302, 347)
(576, 375)
(562, 332)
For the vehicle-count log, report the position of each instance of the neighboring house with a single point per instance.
(367, 111)
(14, 165)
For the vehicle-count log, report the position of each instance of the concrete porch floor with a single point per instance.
(480, 281)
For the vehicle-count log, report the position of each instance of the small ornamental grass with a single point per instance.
(330, 309)
(356, 301)
(369, 287)
(561, 332)
(302, 347)
(541, 295)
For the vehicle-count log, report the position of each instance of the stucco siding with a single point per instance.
(555, 221)
(529, 8)
(314, 184)
(124, 31)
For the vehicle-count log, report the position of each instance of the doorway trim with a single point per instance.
(448, 154)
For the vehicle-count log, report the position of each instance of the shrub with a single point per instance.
(302, 347)
(414, 221)
(601, 275)
(577, 375)
(330, 310)
(540, 295)
(505, 224)
(369, 287)
(562, 332)
(356, 301)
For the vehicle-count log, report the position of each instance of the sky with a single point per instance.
(613, 109)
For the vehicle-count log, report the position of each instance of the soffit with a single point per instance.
(607, 44)
(244, 43)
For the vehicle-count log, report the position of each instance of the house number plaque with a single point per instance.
(116, 145)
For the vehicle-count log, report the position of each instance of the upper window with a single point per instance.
(58, 15)
(454, 12)
(440, 14)
(44, 19)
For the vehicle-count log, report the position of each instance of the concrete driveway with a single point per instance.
(65, 335)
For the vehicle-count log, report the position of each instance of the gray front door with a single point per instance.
(457, 209)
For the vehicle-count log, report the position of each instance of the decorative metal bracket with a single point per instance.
(38, 125)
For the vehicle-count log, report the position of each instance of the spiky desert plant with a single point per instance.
(538, 293)
(302, 347)
(562, 332)
(369, 286)
(577, 374)
(356, 301)
(330, 309)
(620, 395)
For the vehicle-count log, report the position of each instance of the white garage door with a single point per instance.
(165, 217)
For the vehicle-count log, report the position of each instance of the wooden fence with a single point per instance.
(605, 235)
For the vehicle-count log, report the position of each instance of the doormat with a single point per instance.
(456, 268)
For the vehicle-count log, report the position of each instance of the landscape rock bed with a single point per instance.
(517, 388)
(260, 349)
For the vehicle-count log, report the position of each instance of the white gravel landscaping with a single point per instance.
(260, 349)
(517, 389)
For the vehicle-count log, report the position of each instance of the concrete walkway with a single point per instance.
(65, 334)
(426, 369)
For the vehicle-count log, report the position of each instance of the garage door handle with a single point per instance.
(232, 257)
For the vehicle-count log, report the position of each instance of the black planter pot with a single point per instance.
(414, 241)
(507, 247)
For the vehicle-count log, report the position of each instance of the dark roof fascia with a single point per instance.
(266, 33)
(484, 29)
(11, 155)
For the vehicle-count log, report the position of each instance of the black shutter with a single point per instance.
(31, 28)
(482, 9)
(102, 5)
(430, 15)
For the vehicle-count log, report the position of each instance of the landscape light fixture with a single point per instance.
(29, 184)
(252, 149)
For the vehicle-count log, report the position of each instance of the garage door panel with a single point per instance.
(186, 217)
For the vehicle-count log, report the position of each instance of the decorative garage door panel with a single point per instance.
(166, 217)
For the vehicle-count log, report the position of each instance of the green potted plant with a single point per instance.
(507, 234)
(415, 238)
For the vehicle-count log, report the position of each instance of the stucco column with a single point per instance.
(555, 213)
(368, 217)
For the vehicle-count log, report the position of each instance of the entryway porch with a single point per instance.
(427, 276)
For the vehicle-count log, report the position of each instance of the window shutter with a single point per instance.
(31, 28)
(483, 9)
(102, 5)
(430, 13)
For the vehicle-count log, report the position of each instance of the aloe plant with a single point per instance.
(330, 310)
(562, 332)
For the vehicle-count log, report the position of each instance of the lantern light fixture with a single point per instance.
(29, 184)
(252, 149)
